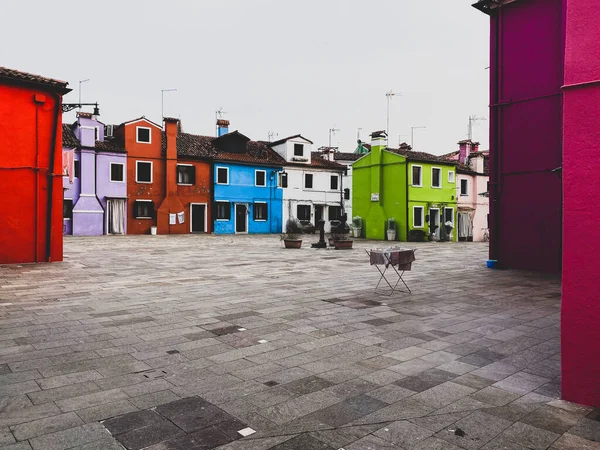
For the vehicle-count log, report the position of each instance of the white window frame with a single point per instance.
(467, 187)
(422, 217)
(294, 149)
(229, 203)
(205, 216)
(110, 172)
(137, 135)
(217, 175)
(184, 184)
(260, 220)
(255, 174)
(141, 200)
(151, 172)
(451, 176)
(304, 181)
(441, 173)
(412, 181)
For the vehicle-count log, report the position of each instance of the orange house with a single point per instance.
(31, 195)
(168, 182)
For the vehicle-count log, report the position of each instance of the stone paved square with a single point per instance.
(129, 332)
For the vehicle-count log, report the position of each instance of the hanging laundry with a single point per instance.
(181, 217)
(172, 219)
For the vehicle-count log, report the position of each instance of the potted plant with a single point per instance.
(341, 241)
(391, 229)
(449, 225)
(291, 237)
(356, 226)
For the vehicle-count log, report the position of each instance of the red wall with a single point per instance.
(25, 144)
(581, 176)
(526, 135)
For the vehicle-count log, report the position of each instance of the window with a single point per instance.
(436, 177)
(143, 135)
(116, 172)
(335, 213)
(143, 172)
(308, 181)
(418, 216)
(464, 187)
(303, 212)
(223, 210)
(143, 209)
(186, 174)
(67, 209)
(334, 182)
(96, 133)
(260, 211)
(451, 176)
(76, 168)
(416, 175)
(449, 215)
(298, 149)
(260, 178)
(347, 194)
(222, 175)
(283, 179)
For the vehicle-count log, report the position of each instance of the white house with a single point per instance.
(313, 187)
(472, 176)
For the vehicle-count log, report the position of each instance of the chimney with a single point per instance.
(222, 127)
(464, 149)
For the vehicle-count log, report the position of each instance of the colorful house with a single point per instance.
(472, 176)
(95, 185)
(417, 189)
(247, 191)
(30, 172)
(312, 186)
(545, 67)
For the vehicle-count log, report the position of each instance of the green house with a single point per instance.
(415, 188)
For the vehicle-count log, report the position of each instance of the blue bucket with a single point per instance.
(491, 263)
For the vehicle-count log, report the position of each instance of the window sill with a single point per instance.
(223, 220)
(260, 220)
(142, 142)
(143, 182)
(260, 185)
(436, 187)
(416, 185)
(185, 184)
(222, 184)
(144, 218)
(116, 181)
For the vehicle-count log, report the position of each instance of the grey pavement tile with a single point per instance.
(371, 443)
(144, 437)
(494, 396)
(6, 436)
(8, 404)
(571, 442)
(529, 437)
(551, 389)
(473, 381)
(251, 444)
(17, 446)
(60, 393)
(89, 400)
(69, 379)
(552, 419)
(513, 411)
(305, 442)
(25, 387)
(347, 411)
(443, 394)
(521, 383)
(27, 414)
(101, 412)
(307, 385)
(406, 408)
(154, 399)
(425, 380)
(433, 443)
(477, 429)
(437, 422)
(340, 437)
(72, 437)
(587, 429)
(482, 358)
(403, 433)
(457, 367)
(48, 425)
(500, 443)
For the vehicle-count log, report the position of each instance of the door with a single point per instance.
(434, 223)
(318, 214)
(241, 218)
(115, 209)
(198, 218)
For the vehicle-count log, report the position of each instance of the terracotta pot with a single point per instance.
(343, 245)
(292, 243)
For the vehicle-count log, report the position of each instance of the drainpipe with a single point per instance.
(407, 206)
(51, 175)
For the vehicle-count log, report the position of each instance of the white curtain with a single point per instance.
(465, 225)
(117, 215)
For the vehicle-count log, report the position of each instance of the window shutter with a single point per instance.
(284, 180)
(346, 194)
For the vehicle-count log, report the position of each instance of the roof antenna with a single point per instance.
(272, 134)
(218, 115)
(332, 131)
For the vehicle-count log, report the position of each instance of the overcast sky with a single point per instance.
(273, 65)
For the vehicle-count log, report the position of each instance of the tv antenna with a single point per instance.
(332, 132)
(472, 120)
(272, 134)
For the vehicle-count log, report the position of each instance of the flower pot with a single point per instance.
(153, 231)
(356, 232)
(292, 243)
(331, 242)
(391, 235)
(343, 245)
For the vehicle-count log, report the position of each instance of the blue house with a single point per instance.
(247, 189)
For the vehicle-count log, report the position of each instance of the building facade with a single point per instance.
(30, 172)
(312, 185)
(346, 159)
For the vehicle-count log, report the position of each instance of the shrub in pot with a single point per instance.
(291, 237)
(391, 229)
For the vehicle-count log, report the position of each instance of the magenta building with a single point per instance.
(95, 181)
(545, 160)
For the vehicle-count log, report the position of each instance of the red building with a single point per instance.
(545, 160)
(31, 195)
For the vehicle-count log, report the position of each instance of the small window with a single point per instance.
(222, 210)
(464, 187)
(308, 180)
(283, 179)
(143, 135)
(260, 211)
(418, 216)
(186, 175)
(260, 178)
(334, 182)
(449, 215)
(67, 209)
(303, 212)
(143, 173)
(222, 175)
(346, 193)
(76, 168)
(436, 177)
(335, 213)
(451, 176)
(143, 209)
(96, 133)
(117, 172)
(416, 176)
(298, 149)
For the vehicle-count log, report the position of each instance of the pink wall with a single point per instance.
(525, 134)
(581, 184)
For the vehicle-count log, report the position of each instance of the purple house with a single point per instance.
(95, 182)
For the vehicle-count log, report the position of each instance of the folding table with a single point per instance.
(399, 259)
